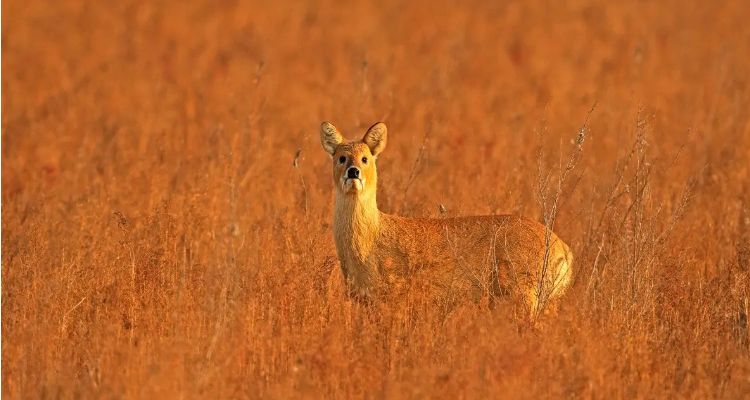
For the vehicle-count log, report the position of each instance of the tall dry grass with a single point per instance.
(167, 207)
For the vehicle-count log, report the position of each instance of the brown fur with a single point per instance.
(448, 259)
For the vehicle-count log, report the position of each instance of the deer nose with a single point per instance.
(352, 173)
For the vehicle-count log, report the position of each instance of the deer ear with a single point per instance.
(330, 137)
(376, 137)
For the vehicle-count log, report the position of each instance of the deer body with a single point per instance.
(445, 258)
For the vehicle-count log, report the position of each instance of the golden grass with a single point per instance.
(157, 240)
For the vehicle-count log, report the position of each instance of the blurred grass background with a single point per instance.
(157, 240)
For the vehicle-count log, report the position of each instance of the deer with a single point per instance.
(448, 259)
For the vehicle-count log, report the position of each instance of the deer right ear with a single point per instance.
(330, 137)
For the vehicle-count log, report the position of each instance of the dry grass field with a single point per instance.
(161, 240)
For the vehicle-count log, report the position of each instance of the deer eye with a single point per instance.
(342, 160)
(364, 160)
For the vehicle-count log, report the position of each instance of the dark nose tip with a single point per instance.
(352, 173)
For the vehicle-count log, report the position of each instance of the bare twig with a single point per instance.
(414, 172)
(63, 323)
(296, 166)
(551, 205)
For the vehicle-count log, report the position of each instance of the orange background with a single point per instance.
(158, 242)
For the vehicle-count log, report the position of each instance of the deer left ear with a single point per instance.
(376, 138)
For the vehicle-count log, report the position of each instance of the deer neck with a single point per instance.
(356, 225)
